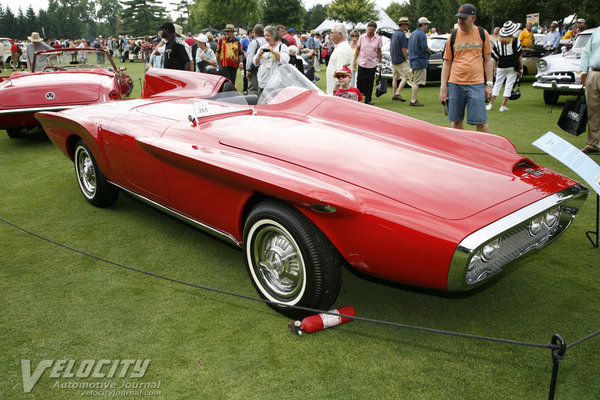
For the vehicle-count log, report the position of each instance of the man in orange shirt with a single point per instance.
(467, 72)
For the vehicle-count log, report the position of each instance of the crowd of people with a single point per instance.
(476, 65)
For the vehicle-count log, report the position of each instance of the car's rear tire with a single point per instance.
(289, 260)
(94, 186)
(550, 97)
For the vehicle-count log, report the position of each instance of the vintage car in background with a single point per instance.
(7, 55)
(434, 66)
(62, 83)
(305, 183)
(558, 74)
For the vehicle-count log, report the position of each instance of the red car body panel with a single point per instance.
(405, 192)
(24, 93)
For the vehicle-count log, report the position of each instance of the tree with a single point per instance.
(108, 13)
(142, 17)
(218, 13)
(353, 11)
(314, 16)
(285, 12)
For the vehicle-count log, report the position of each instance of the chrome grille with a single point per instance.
(486, 251)
(513, 244)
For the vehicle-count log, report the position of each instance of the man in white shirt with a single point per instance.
(342, 55)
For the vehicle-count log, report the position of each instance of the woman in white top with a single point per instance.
(270, 56)
(206, 60)
(507, 56)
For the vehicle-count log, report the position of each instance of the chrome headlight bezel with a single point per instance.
(542, 64)
(512, 235)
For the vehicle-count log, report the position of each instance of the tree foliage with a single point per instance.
(353, 11)
(314, 16)
(218, 13)
(289, 13)
(142, 17)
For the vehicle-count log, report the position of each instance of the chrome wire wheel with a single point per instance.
(277, 261)
(86, 173)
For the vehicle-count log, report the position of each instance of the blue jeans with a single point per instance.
(471, 96)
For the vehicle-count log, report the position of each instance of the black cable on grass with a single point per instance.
(551, 346)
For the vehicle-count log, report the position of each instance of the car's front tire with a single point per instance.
(290, 261)
(94, 186)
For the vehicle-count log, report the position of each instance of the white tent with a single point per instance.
(383, 22)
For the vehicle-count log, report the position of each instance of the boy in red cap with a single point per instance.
(344, 78)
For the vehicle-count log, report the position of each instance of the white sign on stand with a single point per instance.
(572, 157)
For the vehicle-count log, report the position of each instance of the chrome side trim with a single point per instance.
(199, 225)
(571, 199)
(34, 110)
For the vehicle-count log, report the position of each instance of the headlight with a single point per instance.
(490, 250)
(535, 225)
(551, 217)
(542, 64)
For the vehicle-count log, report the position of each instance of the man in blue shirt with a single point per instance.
(419, 57)
(552, 37)
(245, 42)
(399, 54)
(590, 78)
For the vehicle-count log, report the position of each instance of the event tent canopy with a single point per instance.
(383, 22)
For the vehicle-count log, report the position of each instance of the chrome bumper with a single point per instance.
(513, 232)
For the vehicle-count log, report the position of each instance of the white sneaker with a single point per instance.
(488, 107)
(503, 108)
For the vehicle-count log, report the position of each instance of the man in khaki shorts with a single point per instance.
(399, 55)
(419, 57)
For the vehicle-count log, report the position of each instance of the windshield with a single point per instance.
(73, 59)
(436, 44)
(581, 41)
(285, 82)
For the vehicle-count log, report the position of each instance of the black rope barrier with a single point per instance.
(557, 344)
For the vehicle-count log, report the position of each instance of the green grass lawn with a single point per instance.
(57, 304)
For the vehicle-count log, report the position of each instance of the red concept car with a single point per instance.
(306, 182)
(65, 78)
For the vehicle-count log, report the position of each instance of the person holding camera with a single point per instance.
(270, 56)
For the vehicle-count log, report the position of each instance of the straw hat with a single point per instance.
(178, 30)
(35, 37)
(403, 20)
(201, 38)
(229, 27)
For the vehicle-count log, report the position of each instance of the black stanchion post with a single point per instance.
(589, 234)
(558, 353)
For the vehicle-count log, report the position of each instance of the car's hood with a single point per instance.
(51, 89)
(558, 63)
(433, 169)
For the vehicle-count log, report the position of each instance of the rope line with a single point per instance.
(316, 311)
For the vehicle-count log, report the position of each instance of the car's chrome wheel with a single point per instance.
(86, 173)
(290, 261)
(278, 261)
(95, 188)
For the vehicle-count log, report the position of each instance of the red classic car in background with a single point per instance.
(66, 78)
(306, 182)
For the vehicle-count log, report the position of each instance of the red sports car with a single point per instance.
(66, 78)
(306, 182)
